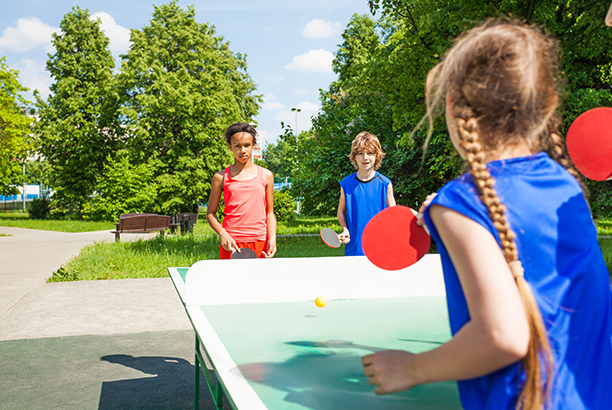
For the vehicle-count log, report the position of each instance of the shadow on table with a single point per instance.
(169, 387)
(324, 380)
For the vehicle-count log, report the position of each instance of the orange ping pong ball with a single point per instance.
(320, 301)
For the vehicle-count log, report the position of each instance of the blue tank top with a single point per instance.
(363, 200)
(557, 244)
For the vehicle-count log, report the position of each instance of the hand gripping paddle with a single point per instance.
(245, 253)
(589, 143)
(330, 238)
(392, 240)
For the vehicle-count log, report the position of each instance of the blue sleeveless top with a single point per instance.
(557, 244)
(363, 200)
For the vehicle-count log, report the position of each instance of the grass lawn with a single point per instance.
(151, 258)
(604, 226)
(22, 220)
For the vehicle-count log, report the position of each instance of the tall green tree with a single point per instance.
(14, 126)
(75, 132)
(181, 86)
(380, 87)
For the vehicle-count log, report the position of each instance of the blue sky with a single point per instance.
(289, 44)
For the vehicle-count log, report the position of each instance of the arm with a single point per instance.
(390, 197)
(496, 335)
(270, 218)
(345, 236)
(216, 187)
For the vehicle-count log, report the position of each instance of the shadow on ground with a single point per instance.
(150, 370)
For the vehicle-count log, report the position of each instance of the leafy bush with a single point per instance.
(284, 205)
(40, 208)
(123, 189)
(600, 198)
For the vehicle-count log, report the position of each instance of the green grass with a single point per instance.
(151, 258)
(22, 220)
(606, 249)
(604, 226)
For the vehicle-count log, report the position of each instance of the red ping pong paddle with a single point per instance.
(245, 253)
(589, 143)
(392, 240)
(330, 238)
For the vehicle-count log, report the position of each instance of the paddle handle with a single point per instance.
(420, 216)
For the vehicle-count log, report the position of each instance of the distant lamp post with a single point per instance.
(296, 110)
(24, 187)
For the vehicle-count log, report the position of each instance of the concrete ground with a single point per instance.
(112, 344)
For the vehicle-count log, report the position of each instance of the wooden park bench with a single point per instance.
(141, 223)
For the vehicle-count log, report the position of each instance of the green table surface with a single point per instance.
(298, 356)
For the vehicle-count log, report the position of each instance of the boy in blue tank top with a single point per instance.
(364, 193)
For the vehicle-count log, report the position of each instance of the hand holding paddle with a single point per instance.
(589, 143)
(393, 240)
(243, 253)
(330, 238)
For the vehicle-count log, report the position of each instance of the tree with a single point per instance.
(14, 125)
(181, 86)
(361, 101)
(75, 132)
(427, 28)
(282, 158)
(123, 189)
(381, 87)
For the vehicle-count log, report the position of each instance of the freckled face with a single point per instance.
(241, 146)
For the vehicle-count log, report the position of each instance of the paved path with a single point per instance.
(31, 308)
(108, 344)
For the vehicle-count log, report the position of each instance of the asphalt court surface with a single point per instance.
(149, 370)
(112, 344)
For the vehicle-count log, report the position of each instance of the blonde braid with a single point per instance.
(533, 396)
(559, 153)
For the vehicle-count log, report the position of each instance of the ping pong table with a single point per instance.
(270, 347)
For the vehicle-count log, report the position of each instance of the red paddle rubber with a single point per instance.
(392, 240)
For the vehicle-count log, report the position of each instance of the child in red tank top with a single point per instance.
(248, 193)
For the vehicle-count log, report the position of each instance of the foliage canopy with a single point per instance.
(14, 126)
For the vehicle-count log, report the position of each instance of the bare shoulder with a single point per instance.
(218, 177)
(267, 174)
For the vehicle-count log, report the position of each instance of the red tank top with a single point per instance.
(245, 207)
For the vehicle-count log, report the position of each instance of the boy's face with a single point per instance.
(366, 159)
(241, 146)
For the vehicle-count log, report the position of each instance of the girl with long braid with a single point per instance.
(528, 291)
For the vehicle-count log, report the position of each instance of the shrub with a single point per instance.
(40, 208)
(284, 205)
(123, 189)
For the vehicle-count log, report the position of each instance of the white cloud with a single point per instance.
(270, 103)
(32, 74)
(318, 28)
(302, 91)
(275, 78)
(29, 33)
(119, 36)
(314, 61)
